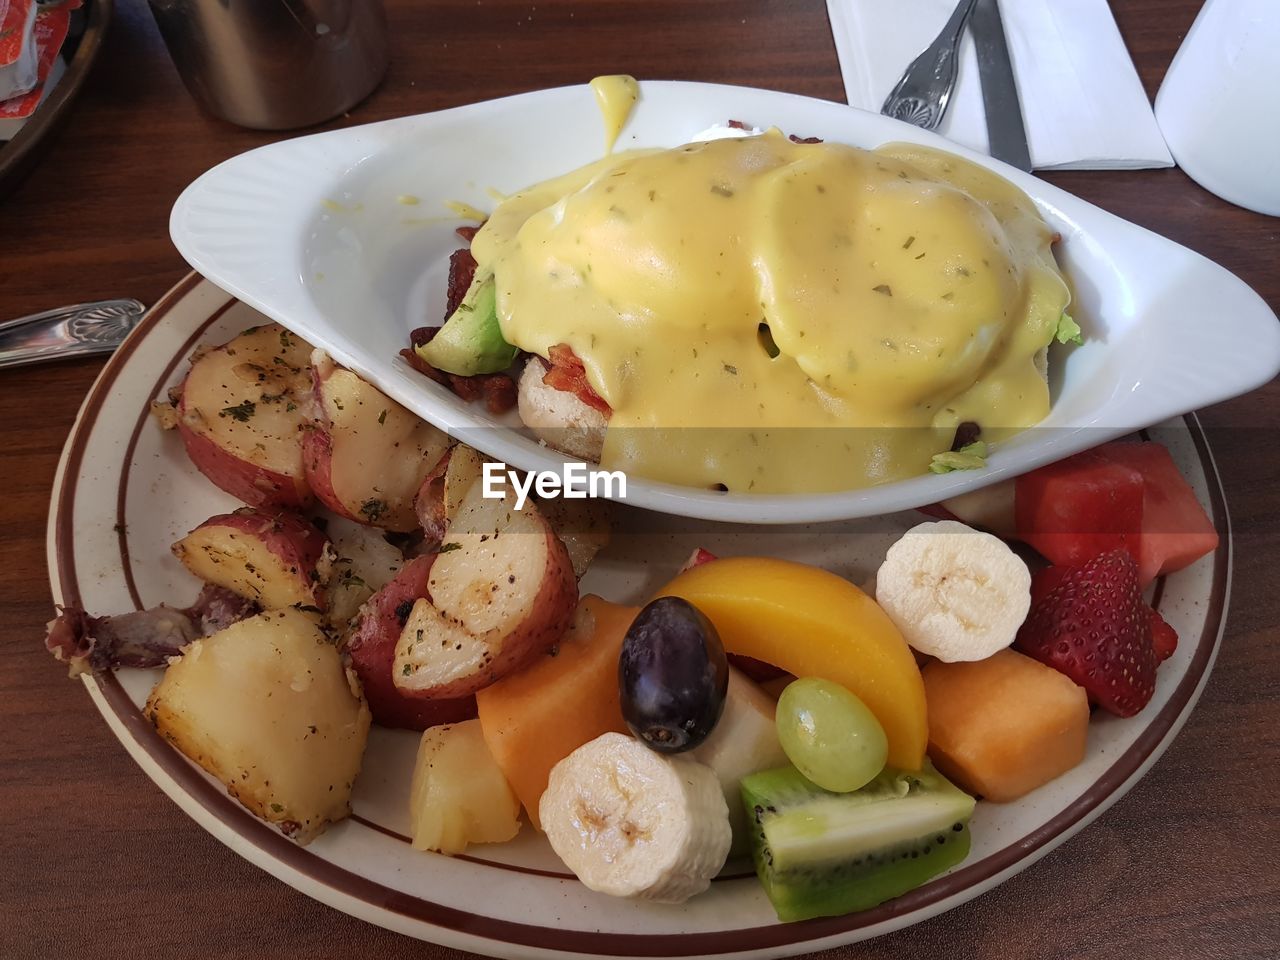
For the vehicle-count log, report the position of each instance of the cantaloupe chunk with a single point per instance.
(533, 719)
(1003, 726)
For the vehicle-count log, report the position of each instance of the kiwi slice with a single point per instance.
(823, 854)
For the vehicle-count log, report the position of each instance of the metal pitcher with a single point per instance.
(276, 64)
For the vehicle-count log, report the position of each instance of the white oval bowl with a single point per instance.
(311, 232)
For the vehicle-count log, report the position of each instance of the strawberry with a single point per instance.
(696, 559)
(1045, 580)
(1164, 639)
(1094, 627)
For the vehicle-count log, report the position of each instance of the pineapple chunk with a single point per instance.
(459, 795)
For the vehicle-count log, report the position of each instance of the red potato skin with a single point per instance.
(317, 455)
(552, 613)
(286, 533)
(317, 458)
(372, 648)
(317, 452)
(294, 539)
(255, 485)
(428, 504)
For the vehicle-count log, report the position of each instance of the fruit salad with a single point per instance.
(752, 709)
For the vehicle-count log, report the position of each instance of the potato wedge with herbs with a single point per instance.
(241, 412)
(366, 456)
(275, 558)
(501, 592)
(267, 707)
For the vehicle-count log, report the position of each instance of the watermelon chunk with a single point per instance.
(1079, 508)
(1120, 494)
(1176, 531)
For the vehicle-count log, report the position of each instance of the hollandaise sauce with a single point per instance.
(466, 211)
(616, 96)
(782, 317)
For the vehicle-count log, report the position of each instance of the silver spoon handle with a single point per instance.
(73, 331)
(921, 96)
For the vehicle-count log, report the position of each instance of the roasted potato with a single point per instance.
(241, 411)
(364, 562)
(584, 526)
(267, 707)
(371, 644)
(442, 491)
(366, 456)
(274, 558)
(501, 591)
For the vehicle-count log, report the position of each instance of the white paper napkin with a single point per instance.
(1082, 103)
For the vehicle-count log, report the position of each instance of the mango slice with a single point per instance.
(812, 623)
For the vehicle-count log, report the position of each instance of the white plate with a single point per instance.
(309, 231)
(125, 490)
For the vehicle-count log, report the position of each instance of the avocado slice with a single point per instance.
(470, 342)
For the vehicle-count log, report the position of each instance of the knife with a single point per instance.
(1005, 131)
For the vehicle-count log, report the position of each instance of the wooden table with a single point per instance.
(95, 862)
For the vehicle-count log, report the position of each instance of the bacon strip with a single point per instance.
(144, 638)
(462, 270)
(568, 373)
(497, 390)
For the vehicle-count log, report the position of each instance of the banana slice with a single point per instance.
(744, 741)
(955, 593)
(633, 823)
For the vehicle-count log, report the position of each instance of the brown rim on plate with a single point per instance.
(19, 155)
(511, 867)
(343, 882)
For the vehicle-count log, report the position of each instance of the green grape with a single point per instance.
(830, 735)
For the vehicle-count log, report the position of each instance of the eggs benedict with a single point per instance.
(766, 315)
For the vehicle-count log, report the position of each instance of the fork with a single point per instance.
(73, 331)
(921, 96)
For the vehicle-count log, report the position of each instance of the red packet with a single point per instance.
(50, 33)
(18, 59)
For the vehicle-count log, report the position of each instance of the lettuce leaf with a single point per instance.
(1068, 330)
(970, 457)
